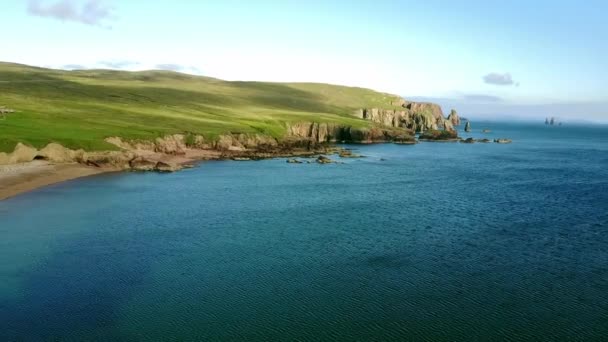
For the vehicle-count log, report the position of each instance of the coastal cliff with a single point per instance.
(415, 116)
(319, 133)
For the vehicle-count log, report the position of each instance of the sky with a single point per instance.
(524, 59)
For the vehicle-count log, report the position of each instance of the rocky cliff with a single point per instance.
(415, 116)
(454, 118)
(320, 133)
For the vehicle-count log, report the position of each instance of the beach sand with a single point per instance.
(19, 178)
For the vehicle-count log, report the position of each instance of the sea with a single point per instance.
(431, 242)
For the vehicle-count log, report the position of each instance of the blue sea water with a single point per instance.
(438, 241)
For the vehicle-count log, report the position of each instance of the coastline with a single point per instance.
(17, 179)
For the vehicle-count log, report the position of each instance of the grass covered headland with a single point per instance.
(79, 109)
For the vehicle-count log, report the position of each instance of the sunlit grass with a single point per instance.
(80, 108)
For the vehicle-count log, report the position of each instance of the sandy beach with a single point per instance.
(19, 178)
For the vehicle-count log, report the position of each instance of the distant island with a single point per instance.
(552, 122)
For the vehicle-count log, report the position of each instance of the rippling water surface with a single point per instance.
(438, 241)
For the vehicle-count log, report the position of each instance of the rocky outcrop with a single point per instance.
(324, 160)
(142, 164)
(467, 127)
(310, 134)
(59, 154)
(244, 142)
(21, 154)
(439, 135)
(448, 126)
(454, 118)
(416, 116)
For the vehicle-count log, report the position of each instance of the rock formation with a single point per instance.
(312, 133)
(21, 154)
(324, 160)
(467, 127)
(454, 118)
(416, 116)
(439, 135)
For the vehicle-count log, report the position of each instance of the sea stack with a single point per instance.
(454, 118)
(467, 127)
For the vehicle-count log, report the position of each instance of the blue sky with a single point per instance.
(520, 58)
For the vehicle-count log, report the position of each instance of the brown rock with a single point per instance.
(454, 118)
(143, 164)
(324, 160)
(166, 167)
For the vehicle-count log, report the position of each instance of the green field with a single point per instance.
(79, 109)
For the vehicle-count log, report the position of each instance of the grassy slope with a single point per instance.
(80, 108)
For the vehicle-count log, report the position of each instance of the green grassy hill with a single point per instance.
(78, 109)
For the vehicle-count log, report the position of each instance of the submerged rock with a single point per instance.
(468, 141)
(293, 161)
(503, 141)
(324, 160)
(348, 154)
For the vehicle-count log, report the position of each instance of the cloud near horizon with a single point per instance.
(482, 98)
(92, 12)
(119, 64)
(73, 67)
(499, 79)
(178, 68)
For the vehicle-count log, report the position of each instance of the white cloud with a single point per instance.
(499, 79)
(92, 12)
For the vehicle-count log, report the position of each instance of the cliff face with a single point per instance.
(454, 118)
(319, 133)
(416, 116)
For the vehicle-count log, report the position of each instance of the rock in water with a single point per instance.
(503, 141)
(142, 164)
(467, 127)
(166, 167)
(324, 160)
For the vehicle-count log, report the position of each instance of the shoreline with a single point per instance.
(17, 179)
(20, 178)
